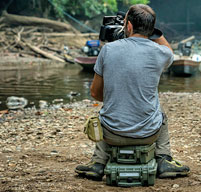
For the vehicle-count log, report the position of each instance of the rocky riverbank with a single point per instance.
(39, 149)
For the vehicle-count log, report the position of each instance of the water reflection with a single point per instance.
(45, 84)
(180, 84)
(70, 83)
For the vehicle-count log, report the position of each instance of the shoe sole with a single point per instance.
(89, 175)
(173, 174)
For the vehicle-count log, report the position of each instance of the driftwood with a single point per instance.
(188, 39)
(175, 45)
(68, 34)
(51, 49)
(38, 37)
(27, 53)
(34, 48)
(43, 53)
(30, 31)
(16, 20)
(21, 40)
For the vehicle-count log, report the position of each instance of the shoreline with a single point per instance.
(40, 148)
(55, 105)
(14, 62)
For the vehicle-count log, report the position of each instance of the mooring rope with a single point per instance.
(69, 16)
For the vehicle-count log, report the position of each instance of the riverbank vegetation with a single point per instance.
(56, 8)
(37, 28)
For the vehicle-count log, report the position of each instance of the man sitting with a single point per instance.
(127, 74)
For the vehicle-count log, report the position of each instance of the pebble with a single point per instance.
(175, 186)
(57, 134)
(54, 152)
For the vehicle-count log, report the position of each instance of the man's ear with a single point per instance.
(130, 27)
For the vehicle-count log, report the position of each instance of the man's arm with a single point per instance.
(97, 87)
(163, 41)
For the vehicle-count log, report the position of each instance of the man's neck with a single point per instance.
(138, 35)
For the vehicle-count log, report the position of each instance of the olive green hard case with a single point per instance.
(129, 175)
(132, 154)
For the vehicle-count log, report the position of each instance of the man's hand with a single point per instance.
(97, 87)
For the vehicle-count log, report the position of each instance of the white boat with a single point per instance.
(197, 58)
(185, 65)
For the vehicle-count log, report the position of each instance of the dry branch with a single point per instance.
(51, 49)
(15, 20)
(31, 36)
(30, 31)
(67, 34)
(19, 34)
(43, 53)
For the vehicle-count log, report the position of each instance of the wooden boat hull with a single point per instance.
(87, 63)
(184, 67)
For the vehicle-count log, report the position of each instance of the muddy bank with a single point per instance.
(14, 62)
(39, 149)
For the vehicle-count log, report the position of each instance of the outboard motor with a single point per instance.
(92, 48)
(185, 48)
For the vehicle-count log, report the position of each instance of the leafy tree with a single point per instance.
(79, 8)
(90, 8)
(132, 2)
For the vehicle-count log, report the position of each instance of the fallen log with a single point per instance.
(51, 49)
(44, 53)
(188, 39)
(39, 51)
(15, 20)
(175, 45)
(67, 34)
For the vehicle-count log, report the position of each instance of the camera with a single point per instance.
(113, 28)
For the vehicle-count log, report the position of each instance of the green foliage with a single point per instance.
(90, 8)
(132, 2)
(110, 5)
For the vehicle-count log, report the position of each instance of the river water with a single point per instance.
(70, 84)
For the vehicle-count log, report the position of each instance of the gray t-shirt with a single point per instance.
(131, 70)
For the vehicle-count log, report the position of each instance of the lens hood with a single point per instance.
(156, 34)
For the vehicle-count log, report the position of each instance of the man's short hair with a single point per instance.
(143, 19)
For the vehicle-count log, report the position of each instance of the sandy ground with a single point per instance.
(39, 149)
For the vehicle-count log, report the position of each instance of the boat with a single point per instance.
(197, 57)
(184, 66)
(185, 62)
(200, 67)
(87, 63)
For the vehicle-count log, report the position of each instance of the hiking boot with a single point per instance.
(93, 171)
(169, 168)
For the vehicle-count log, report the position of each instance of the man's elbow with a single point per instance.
(93, 94)
(96, 96)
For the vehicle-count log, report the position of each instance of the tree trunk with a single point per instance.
(15, 20)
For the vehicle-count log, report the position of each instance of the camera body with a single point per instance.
(113, 28)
